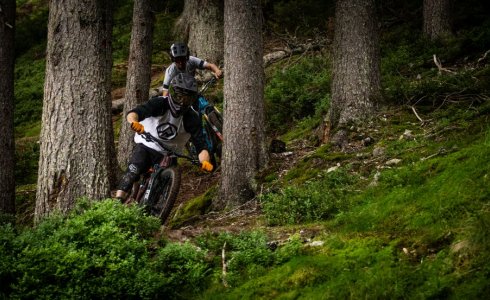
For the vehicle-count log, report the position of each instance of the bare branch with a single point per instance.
(439, 66)
(223, 261)
(483, 57)
(417, 115)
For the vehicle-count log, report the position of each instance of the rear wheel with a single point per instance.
(164, 192)
(215, 119)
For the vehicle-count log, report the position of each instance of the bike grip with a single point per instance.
(138, 127)
(206, 166)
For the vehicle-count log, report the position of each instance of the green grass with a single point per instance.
(398, 239)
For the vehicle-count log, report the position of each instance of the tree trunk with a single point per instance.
(139, 73)
(356, 72)
(244, 150)
(437, 19)
(77, 146)
(201, 26)
(7, 144)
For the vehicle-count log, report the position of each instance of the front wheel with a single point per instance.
(164, 191)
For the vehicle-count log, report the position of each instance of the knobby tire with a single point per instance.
(164, 192)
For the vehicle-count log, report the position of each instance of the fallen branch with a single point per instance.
(483, 57)
(288, 51)
(441, 151)
(239, 211)
(417, 115)
(439, 66)
(223, 261)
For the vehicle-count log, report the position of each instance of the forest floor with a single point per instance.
(196, 183)
(244, 218)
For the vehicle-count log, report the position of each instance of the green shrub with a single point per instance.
(31, 25)
(309, 17)
(100, 250)
(248, 254)
(29, 89)
(95, 254)
(185, 269)
(7, 258)
(313, 201)
(296, 92)
(26, 161)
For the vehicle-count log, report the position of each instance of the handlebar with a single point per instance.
(209, 83)
(150, 138)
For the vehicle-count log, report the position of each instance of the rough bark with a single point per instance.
(77, 147)
(139, 72)
(201, 26)
(7, 144)
(356, 72)
(244, 148)
(437, 19)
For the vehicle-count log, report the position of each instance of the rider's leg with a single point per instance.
(140, 161)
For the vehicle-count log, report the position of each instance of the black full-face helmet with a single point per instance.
(179, 51)
(182, 93)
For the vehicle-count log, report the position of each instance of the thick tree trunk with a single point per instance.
(7, 144)
(356, 73)
(139, 73)
(77, 147)
(201, 26)
(437, 18)
(244, 150)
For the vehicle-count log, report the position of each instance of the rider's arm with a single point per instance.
(152, 108)
(213, 68)
(193, 125)
(204, 156)
(166, 79)
(132, 117)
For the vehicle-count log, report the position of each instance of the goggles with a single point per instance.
(184, 99)
(180, 59)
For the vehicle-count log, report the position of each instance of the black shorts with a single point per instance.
(143, 158)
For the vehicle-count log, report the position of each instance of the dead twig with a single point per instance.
(238, 211)
(224, 265)
(439, 66)
(417, 115)
(441, 151)
(483, 57)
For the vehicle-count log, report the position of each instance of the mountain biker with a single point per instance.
(169, 119)
(182, 62)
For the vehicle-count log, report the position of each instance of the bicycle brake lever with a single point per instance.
(147, 137)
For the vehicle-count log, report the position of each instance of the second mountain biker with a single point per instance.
(170, 119)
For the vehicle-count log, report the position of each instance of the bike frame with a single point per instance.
(141, 190)
(204, 103)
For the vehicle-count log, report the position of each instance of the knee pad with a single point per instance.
(131, 175)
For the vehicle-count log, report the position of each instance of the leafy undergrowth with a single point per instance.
(416, 229)
(405, 215)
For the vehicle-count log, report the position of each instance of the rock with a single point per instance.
(378, 151)
(407, 135)
(367, 141)
(316, 243)
(277, 146)
(394, 161)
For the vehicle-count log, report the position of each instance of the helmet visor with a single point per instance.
(180, 59)
(183, 98)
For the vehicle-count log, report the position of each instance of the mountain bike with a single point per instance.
(212, 124)
(157, 189)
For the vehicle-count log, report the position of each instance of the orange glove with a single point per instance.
(206, 166)
(136, 126)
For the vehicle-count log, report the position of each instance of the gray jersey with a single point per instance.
(192, 64)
